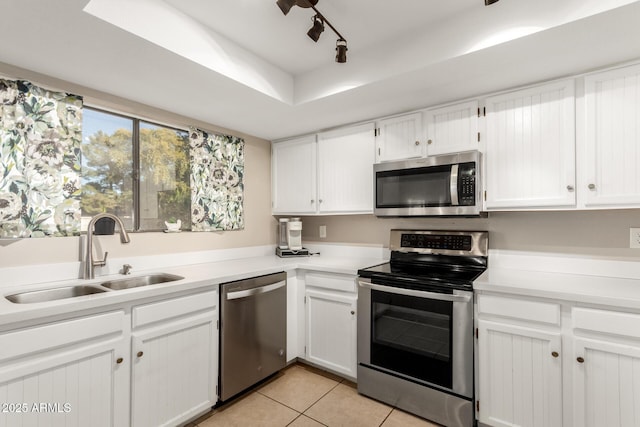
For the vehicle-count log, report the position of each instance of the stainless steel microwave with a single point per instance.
(446, 185)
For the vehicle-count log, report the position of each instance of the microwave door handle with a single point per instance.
(453, 184)
(414, 293)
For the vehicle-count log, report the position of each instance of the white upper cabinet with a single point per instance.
(332, 175)
(345, 170)
(612, 138)
(400, 138)
(530, 151)
(452, 129)
(293, 172)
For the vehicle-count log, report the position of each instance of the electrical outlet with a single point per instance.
(634, 238)
(323, 231)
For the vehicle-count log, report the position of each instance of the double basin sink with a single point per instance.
(46, 295)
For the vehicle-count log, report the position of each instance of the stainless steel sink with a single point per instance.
(134, 282)
(54, 294)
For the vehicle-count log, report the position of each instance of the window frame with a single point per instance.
(135, 161)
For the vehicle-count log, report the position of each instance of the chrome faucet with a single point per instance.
(89, 263)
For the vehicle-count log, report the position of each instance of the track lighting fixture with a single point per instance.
(318, 24)
(317, 29)
(489, 2)
(341, 51)
(286, 5)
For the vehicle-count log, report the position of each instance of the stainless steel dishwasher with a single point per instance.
(253, 331)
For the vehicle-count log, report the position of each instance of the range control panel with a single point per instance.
(436, 241)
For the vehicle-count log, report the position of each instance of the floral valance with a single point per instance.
(217, 188)
(40, 136)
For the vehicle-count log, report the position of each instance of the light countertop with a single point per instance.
(197, 276)
(579, 281)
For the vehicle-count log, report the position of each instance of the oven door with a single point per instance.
(424, 337)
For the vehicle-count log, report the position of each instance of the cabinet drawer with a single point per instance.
(337, 282)
(534, 311)
(42, 338)
(175, 307)
(605, 321)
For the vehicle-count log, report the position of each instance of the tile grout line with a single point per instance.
(319, 399)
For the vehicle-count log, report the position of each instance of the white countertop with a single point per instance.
(196, 276)
(576, 279)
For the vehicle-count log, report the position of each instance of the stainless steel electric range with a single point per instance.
(415, 324)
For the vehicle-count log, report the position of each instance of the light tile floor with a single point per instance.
(303, 396)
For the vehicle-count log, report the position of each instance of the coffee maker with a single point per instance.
(290, 238)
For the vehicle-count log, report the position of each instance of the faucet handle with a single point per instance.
(126, 269)
(102, 262)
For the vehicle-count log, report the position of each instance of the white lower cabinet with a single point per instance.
(520, 376)
(535, 371)
(67, 373)
(175, 360)
(605, 367)
(96, 371)
(331, 323)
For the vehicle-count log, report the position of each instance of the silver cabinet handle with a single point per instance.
(255, 291)
(312, 201)
(592, 186)
(417, 142)
(429, 142)
(569, 187)
(414, 293)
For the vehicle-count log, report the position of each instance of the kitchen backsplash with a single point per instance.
(603, 232)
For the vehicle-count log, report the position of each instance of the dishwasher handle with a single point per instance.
(255, 291)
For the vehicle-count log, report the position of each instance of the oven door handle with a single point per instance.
(415, 293)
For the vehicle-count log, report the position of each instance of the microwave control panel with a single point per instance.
(467, 184)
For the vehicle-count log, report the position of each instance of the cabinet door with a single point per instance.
(520, 376)
(331, 331)
(530, 154)
(400, 138)
(175, 371)
(345, 170)
(612, 152)
(294, 176)
(78, 376)
(606, 384)
(452, 129)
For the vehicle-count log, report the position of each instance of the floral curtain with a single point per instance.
(40, 136)
(217, 189)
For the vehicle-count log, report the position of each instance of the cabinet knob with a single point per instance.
(570, 187)
(140, 354)
(312, 201)
(119, 360)
(580, 360)
(592, 186)
(353, 312)
(417, 142)
(429, 142)
(555, 354)
(319, 200)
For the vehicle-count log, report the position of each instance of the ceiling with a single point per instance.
(243, 65)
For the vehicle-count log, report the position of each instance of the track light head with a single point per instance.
(317, 29)
(286, 5)
(489, 2)
(341, 51)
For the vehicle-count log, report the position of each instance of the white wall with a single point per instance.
(260, 226)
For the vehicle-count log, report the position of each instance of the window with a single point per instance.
(134, 169)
